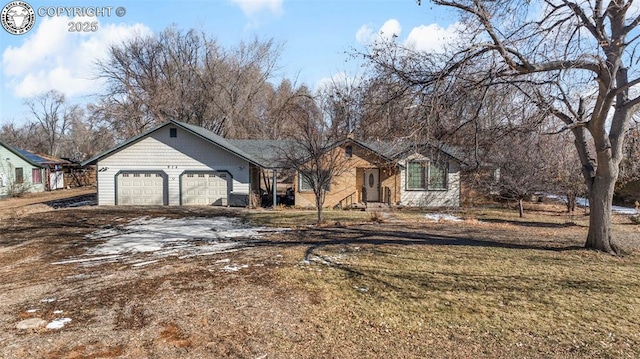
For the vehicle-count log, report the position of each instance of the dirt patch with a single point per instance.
(169, 308)
(15, 208)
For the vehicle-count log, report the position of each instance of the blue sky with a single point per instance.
(315, 34)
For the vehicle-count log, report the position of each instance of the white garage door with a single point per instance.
(146, 188)
(204, 189)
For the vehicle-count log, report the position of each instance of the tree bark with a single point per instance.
(600, 236)
(520, 208)
(319, 207)
(571, 201)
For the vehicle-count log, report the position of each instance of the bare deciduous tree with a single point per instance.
(187, 77)
(582, 56)
(313, 153)
(53, 115)
(574, 60)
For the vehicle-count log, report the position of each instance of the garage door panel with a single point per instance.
(143, 188)
(204, 189)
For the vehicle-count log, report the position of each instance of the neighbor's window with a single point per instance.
(437, 175)
(19, 175)
(348, 151)
(416, 175)
(422, 175)
(36, 175)
(173, 132)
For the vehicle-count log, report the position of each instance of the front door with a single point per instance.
(372, 183)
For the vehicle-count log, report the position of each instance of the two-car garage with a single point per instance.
(176, 164)
(197, 188)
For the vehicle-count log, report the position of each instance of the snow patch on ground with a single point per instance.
(58, 323)
(234, 267)
(163, 237)
(436, 217)
(584, 202)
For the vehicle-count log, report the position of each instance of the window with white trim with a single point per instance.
(416, 171)
(437, 176)
(426, 175)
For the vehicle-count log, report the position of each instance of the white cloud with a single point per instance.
(431, 37)
(364, 34)
(53, 58)
(252, 7)
(327, 83)
(340, 80)
(390, 30)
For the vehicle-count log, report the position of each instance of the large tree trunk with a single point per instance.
(600, 236)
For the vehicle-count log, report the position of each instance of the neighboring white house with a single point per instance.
(18, 172)
(175, 164)
(23, 171)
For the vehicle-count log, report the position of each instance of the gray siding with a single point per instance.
(173, 156)
(431, 198)
(9, 161)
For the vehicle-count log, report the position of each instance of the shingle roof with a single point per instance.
(198, 131)
(396, 149)
(270, 153)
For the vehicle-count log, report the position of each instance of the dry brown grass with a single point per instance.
(492, 286)
(475, 301)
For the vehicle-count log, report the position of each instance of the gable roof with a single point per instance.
(193, 129)
(27, 156)
(398, 149)
(268, 153)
